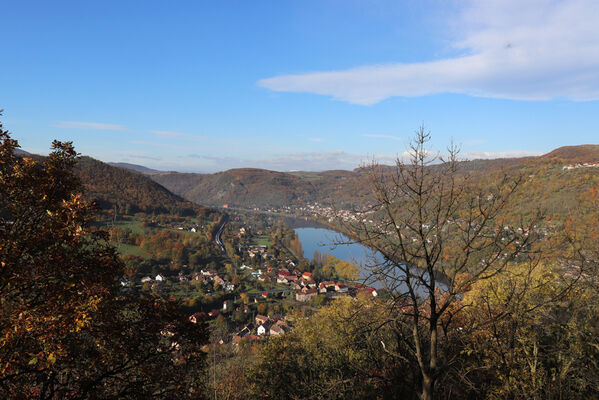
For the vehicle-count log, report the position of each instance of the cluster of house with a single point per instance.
(321, 211)
(308, 288)
(203, 275)
(259, 250)
(585, 165)
(338, 288)
(192, 229)
(295, 278)
(212, 275)
(262, 326)
(157, 279)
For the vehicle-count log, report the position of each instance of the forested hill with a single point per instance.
(247, 187)
(554, 181)
(130, 191)
(587, 153)
(251, 187)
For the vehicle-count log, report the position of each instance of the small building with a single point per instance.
(264, 329)
(366, 290)
(306, 295)
(160, 278)
(277, 330)
(260, 319)
(340, 287)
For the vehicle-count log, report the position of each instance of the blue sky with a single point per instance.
(210, 85)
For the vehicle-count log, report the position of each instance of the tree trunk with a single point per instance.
(427, 388)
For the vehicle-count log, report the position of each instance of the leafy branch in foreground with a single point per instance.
(66, 329)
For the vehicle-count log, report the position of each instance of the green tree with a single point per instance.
(336, 354)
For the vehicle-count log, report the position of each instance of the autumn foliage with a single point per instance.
(66, 328)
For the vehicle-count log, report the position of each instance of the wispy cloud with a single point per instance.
(97, 126)
(371, 135)
(316, 139)
(533, 50)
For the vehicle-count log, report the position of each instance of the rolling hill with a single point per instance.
(132, 192)
(246, 187)
(548, 184)
(575, 154)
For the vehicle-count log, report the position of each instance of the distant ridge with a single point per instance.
(253, 187)
(21, 152)
(137, 168)
(246, 187)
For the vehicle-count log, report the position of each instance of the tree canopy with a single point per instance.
(67, 330)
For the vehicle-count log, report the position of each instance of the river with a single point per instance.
(323, 239)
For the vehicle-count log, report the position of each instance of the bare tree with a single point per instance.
(437, 231)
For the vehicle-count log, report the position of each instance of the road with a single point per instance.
(219, 232)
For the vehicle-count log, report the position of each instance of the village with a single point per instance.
(290, 286)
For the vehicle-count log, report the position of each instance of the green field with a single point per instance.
(261, 240)
(125, 249)
(133, 224)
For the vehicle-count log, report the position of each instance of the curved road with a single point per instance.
(219, 232)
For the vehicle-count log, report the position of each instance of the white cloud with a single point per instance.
(97, 126)
(512, 49)
(316, 139)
